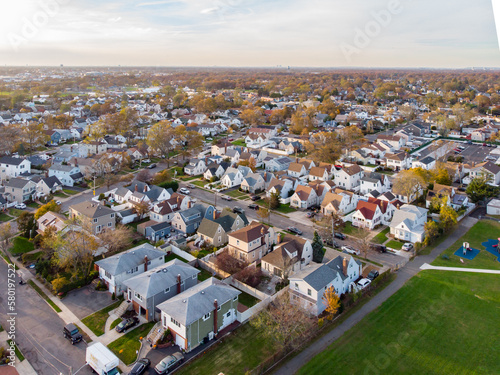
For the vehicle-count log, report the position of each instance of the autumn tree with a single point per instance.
(116, 240)
(408, 183)
(447, 217)
(48, 240)
(284, 324)
(143, 175)
(161, 138)
(324, 147)
(75, 250)
(479, 189)
(350, 136)
(274, 201)
(363, 241)
(50, 206)
(9, 137)
(141, 209)
(33, 135)
(252, 115)
(6, 234)
(26, 223)
(250, 163)
(431, 230)
(263, 213)
(332, 302)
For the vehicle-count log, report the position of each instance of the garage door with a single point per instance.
(179, 340)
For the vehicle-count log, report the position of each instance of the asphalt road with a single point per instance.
(39, 332)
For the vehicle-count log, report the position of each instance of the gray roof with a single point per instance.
(157, 279)
(336, 265)
(407, 213)
(17, 183)
(129, 259)
(192, 304)
(317, 275)
(373, 177)
(51, 181)
(91, 209)
(208, 227)
(427, 160)
(61, 167)
(10, 160)
(193, 214)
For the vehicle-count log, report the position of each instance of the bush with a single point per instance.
(113, 296)
(250, 276)
(59, 283)
(228, 263)
(445, 257)
(174, 185)
(102, 196)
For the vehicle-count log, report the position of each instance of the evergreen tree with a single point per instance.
(318, 249)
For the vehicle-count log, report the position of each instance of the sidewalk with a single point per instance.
(24, 367)
(426, 266)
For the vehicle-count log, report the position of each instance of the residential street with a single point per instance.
(39, 332)
(403, 275)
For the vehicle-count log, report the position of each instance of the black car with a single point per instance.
(379, 248)
(140, 366)
(253, 206)
(340, 236)
(255, 198)
(294, 230)
(332, 243)
(152, 166)
(238, 210)
(372, 275)
(70, 331)
(126, 324)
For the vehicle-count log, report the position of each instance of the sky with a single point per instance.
(250, 33)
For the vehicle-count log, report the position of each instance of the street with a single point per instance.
(39, 332)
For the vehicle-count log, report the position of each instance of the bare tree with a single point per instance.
(363, 241)
(75, 250)
(116, 240)
(143, 176)
(141, 209)
(6, 234)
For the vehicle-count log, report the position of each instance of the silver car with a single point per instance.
(169, 362)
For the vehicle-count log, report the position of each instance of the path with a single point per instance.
(426, 266)
(403, 275)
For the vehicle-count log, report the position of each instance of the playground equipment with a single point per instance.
(466, 248)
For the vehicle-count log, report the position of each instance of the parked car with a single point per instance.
(238, 210)
(349, 250)
(407, 246)
(255, 198)
(152, 166)
(231, 139)
(169, 362)
(294, 230)
(310, 214)
(20, 206)
(191, 186)
(363, 283)
(71, 332)
(340, 236)
(226, 197)
(332, 243)
(253, 206)
(140, 366)
(126, 324)
(184, 191)
(58, 203)
(379, 248)
(372, 275)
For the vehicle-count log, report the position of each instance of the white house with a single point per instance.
(67, 174)
(427, 163)
(304, 197)
(374, 181)
(398, 161)
(349, 177)
(408, 223)
(488, 169)
(232, 178)
(13, 167)
(289, 256)
(372, 213)
(195, 167)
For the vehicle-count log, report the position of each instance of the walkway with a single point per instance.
(478, 270)
(403, 275)
(24, 367)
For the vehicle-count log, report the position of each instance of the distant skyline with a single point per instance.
(239, 33)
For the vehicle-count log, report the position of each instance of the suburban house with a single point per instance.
(67, 174)
(304, 197)
(349, 177)
(398, 161)
(164, 211)
(115, 269)
(308, 285)
(427, 163)
(214, 170)
(199, 313)
(281, 187)
(297, 170)
(374, 181)
(189, 220)
(19, 190)
(488, 170)
(92, 148)
(289, 256)
(408, 223)
(391, 142)
(253, 183)
(156, 285)
(195, 167)
(232, 178)
(48, 185)
(154, 231)
(138, 192)
(13, 167)
(340, 202)
(454, 198)
(277, 164)
(372, 213)
(94, 217)
(214, 230)
(51, 219)
(251, 243)
(318, 173)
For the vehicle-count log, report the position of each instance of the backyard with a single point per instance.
(21, 245)
(480, 232)
(439, 322)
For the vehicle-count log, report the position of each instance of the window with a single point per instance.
(138, 296)
(206, 317)
(235, 298)
(109, 225)
(112, 215)
(107, 274)
(228, 314)
(95, 220)
(309, 292)
(218, 308)
(175, 322)
(296, 286)
(167, 290)
(194, 277)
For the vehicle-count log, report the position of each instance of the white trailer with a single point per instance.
(102, 360)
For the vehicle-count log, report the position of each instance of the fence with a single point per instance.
(212, 268)
(246, 288)
(181, 253)
(246, 315)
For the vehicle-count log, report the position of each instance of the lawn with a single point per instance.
(238, 353)
(4, 217)
(204, 275)
(97, 321)
(173, 256)
(136, 223)
(239, 142)
(381, 237)
(33, 205)
(126, 346)
(60, 194)
(21, 245)
(19, 355)
(439, 322)
(115, 323)
(285, 209)
(199, 183)
(480, 232)
(70, 192)
(236, 194)
(248, 300)
(15, 212)
(396, 245)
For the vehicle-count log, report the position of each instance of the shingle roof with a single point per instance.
(194, 303)
(10, 160)
(91, 209)
(129, 259)
(251, 232)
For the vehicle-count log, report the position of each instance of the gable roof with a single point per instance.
(91, 209)
(129, 259)
(192, 304)
(11, 160)
(251, 232)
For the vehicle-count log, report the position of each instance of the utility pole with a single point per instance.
(94, 185)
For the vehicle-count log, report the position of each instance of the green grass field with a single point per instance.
(4, 217)
(247, 299)
(440, 322)
(125, 347)
(97, 321)
(480, 232)
(393, 244)
(381, 237)
(21, 245)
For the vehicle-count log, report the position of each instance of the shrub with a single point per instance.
(59, 283)
(174, 185)
(250, 276)
(445, 257)
(102, 196)
(113, 296)
(228, 263)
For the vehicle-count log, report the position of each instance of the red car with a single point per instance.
(231, 139)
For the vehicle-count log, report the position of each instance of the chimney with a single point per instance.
(215, 214)
(178, 284)
(216, 306)
(145, 263)
(136, 188)
(345, 263)
(145, 188)
(189, 203)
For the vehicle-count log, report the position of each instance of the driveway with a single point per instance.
(85, 301)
